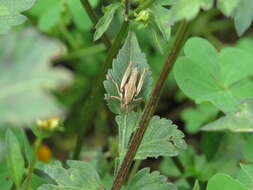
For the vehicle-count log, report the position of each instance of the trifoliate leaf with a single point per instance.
(146, 180)
(238, 121)
(245, 175)
(194, 118)
(26, 77)
(105, 20)
(14, 158)
(224, 182)
(162, 138)
(185, 9)
(79, 176)
(130, 52)
(240, 10)
(203, 74)
(10, 13)
(50, 18)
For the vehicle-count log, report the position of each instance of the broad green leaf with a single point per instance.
(145, 180)
(188, 10)
(245, 176)
(26, 77)
(5, 180)
(14, 158)
(247, 148)
(240, 10)
(196, 185)
(205, 75)
(130, 52)
(162, 138)
(50, 18)
(162, 16)
(194, 118)
(238, 121)
(224, 182)
(10, 13)
(105, 20)
(246, 44)
(79, 176)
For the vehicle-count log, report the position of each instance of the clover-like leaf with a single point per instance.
(185, 9)
(146, 180)
(79, 176)
(203, 74)
(162, 138)
(105, 20)
(240, 10)
(26, 77)
(10, 13)
(130, 52)
(238, 121)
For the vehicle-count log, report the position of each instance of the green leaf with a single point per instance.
(10, 13)
(50, 18)
(14, 158)
(238, 121)
(130, 52)
(194, 118)
(196, 185)
(245, 176)
(79, 176)
(240, 10)
(162, 138)
(144, 180)
(105, 20)
(224, 182)
(217, 79)
(6, 182)
(162, 16)
(26, 76)
(80, 17)
(188, 10)
(247, 148)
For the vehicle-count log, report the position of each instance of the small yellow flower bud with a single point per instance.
(50, 124)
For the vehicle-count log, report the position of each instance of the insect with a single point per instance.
(130, 86)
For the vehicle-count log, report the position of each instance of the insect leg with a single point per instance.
(126, 75)
(141, 81)
(109, 77)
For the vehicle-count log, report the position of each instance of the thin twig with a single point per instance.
(151, 106)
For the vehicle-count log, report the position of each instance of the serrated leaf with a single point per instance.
(14, 158)
(238, 121)
(240, 10)
(245, 175)
(162, 138)
(129, 52)
(79, 176)
(224, 182)
(188, 10)
(145, 180)
(105, 20)
(194, 118)
(26, 75)
(162, 17)
(217, 79)
(10, 13)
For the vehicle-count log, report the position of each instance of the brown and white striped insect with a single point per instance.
(130, 86)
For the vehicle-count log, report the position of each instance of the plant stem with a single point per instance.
(151, 106)
(133, 171)
(95, 98)
(28, 179)
(94, 18)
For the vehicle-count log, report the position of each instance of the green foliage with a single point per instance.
(196, 185)
(129, 52)
(245, 176)
(105, 21)
(14, 158)
(79, 175)
(26, 75)
(217, 79)
(162, 138)
(224, 182)
(144, 180)
(10, 13)
(240, 10)
(194, 118)
(238, 121)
